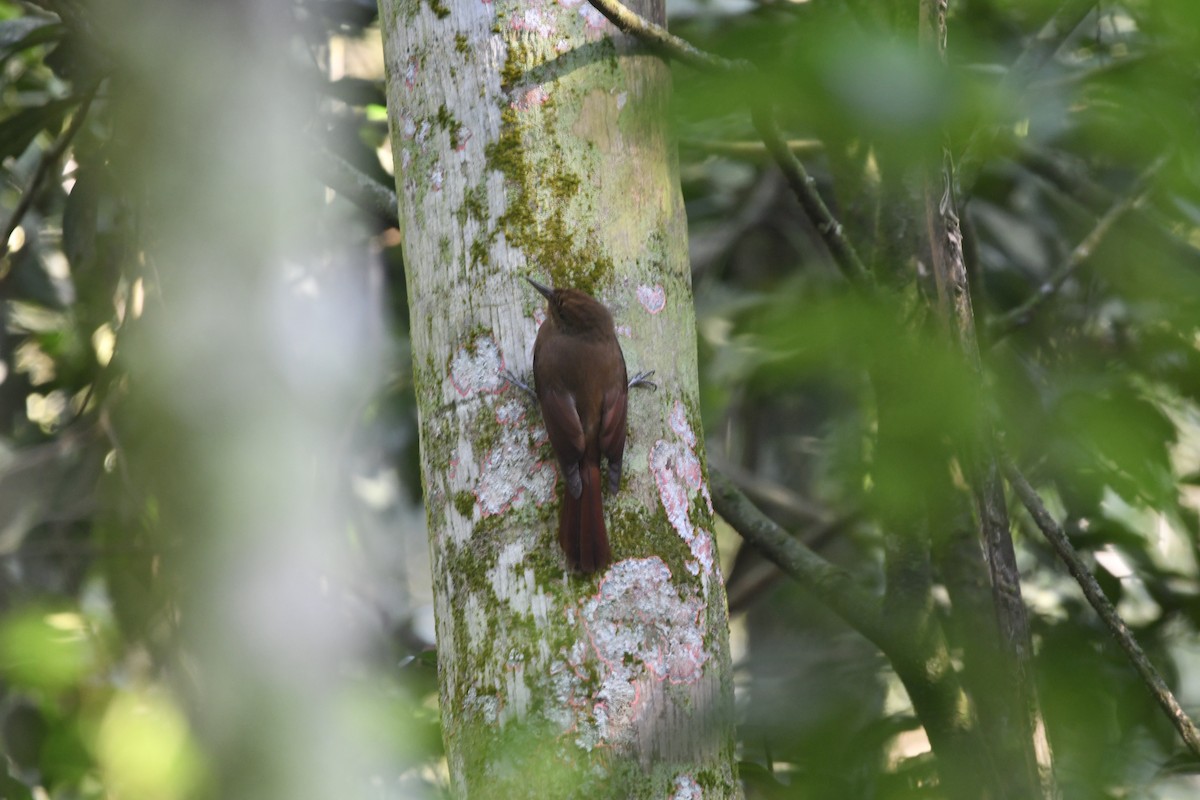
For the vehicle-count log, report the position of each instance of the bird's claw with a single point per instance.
(643, 379)
(517, 382)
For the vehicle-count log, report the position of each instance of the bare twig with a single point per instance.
(48, 160)
(767, 491)
(827, 226)
(835, 587)
(920, 657)
(749, 151)
(798, 179)
(1049, 39)
(1002, 326)
(356, 186)
(1095, 596)
(1041, 48)
(662, 41)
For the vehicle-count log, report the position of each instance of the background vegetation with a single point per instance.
(128, 472)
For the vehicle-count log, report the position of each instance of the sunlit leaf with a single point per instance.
(144, 747)
(44, 650)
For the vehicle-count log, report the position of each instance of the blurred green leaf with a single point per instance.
(19, 129)
(22, 33)
(42, 649)
(1123, 437)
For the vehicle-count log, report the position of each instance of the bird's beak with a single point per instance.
(546, 291)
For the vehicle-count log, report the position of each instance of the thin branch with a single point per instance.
(920, 657)
(835, 587)
(1002, 326)
(798, 179)
(1095, 596)
(1068, 179)
(764, 490)
(662, 41)
(48, 160)
(356, 186)
(1049, 39)
(830, 230)
(749, 151)
(1076, 187)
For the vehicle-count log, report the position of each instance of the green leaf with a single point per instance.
(26, 32)
(44, 650)
(19, 129)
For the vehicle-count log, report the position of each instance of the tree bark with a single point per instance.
(530, 139)
(1008, 710)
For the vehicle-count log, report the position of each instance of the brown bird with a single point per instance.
(582, 388)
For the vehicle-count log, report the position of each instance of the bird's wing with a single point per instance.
(566, 434)
(612, 432)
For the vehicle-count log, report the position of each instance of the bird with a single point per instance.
(582, 388)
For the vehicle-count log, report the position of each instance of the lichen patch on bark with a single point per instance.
(686, 788)
(653, 298)
(679, 477)
(640, 632)
(476, 368)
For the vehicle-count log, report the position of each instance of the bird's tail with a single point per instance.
(581, 529)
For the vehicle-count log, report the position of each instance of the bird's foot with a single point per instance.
(643, 379)
(517, 382)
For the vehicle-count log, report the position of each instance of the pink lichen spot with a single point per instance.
(592, 18)
(423, 132)
(477, 368)
(642, 629)
(436, 177)
(539, 316)
(671, 491)
(410, 73)
(686, 788)
(569, 3)
(562, 46)
(405, 160)
(408, 128)
(624, 330)
(677, 473)
(531, 98)
(511, 475)
(653, 298)
(687, 467)
(679, 423)
(533, 21)
(638, 623)
(702, 548)
(622, 99)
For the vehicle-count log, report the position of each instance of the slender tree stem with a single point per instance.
(1095, 596)
(662, 41)
(355, 185)
(1003, 326)
(835, 587)
(48, 159)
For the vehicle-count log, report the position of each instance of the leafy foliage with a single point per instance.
(1093, 390)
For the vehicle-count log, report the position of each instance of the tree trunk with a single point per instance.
(1008, 709)
(530, 139)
